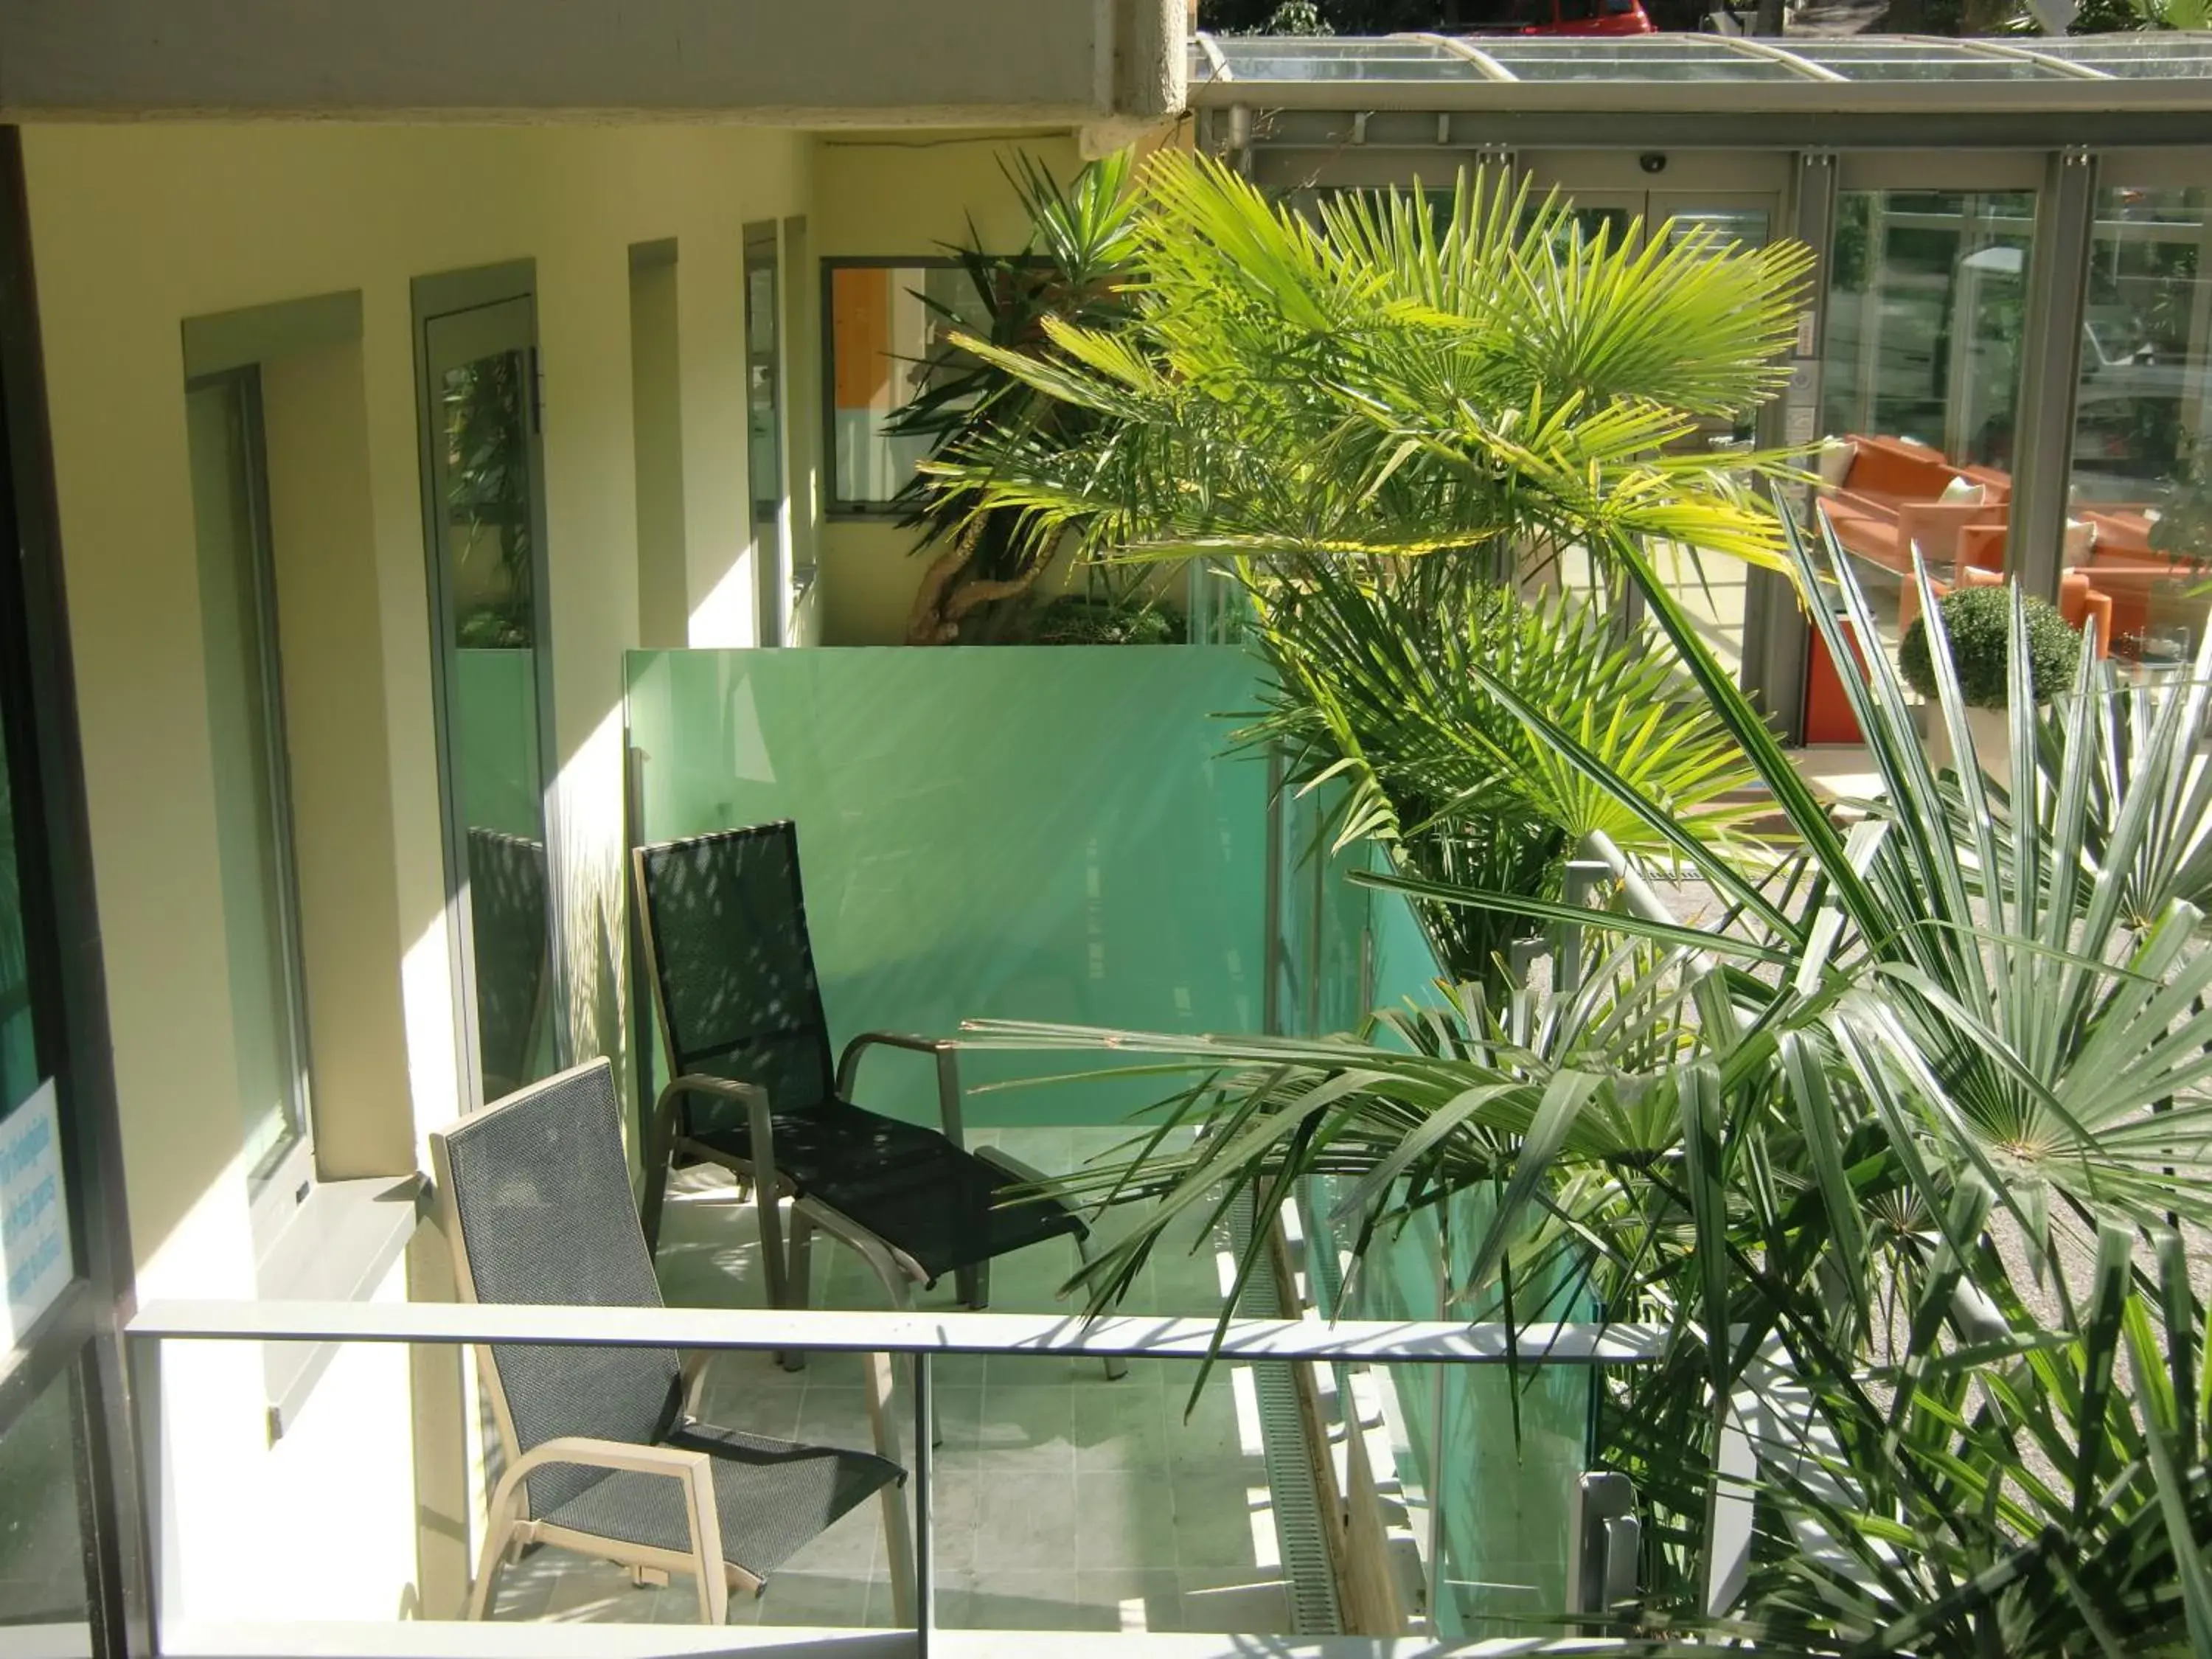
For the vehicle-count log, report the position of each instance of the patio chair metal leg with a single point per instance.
(900, 1289)
(973, 1285)
(499, 1534)
(1117, 1367)
(771, 1244)
(658, 1153)
(799, 1278)
(898, 1526)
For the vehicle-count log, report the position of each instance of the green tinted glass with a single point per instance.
(1046, 833)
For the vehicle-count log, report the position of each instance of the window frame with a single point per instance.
(280, 1186)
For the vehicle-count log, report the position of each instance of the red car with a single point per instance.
(1563, 17)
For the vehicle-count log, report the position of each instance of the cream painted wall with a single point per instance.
(887, 194)
(322, 535)
(136, 228)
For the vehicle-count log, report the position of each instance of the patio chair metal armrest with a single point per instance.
(947, 1054)
(629, 1456)
(694, 1469)
(760, 1128)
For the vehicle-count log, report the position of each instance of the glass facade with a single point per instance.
(1920, 391)
(2140, 503)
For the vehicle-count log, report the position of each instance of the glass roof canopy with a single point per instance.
(1404, 71)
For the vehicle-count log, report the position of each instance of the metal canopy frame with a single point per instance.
(1659, 74)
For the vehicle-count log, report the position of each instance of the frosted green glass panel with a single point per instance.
(1499, 1492)
(496, 739)
(1051, 833)
(1403, 962)
(1322, 979)
(1503, 1554)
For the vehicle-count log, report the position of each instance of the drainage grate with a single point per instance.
(1307, 1564)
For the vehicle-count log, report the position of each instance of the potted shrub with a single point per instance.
(1978, 621)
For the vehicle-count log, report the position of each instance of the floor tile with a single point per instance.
(1234, 1603)
(1003, 1599)
(795, 1597)
(1136, 1600)
(1122, 1427)
(958, 1499)
(1028, 1524)
(1026, 1429)
(853, 1545)
(1214, 1511)
(1124, 1519)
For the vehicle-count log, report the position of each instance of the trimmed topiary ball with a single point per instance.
(1979, 622)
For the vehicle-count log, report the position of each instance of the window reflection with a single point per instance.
(2142, 494)
(890, 332)
(1920, 390)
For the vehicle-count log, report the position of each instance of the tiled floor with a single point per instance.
(1064, 1501)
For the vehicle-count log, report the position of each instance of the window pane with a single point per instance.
(245, 741)
(1919, 387)
(19, 1057)
(890, 328)
(42, 1577)
(2141, 504)
(491, 564)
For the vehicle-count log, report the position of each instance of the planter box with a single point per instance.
(1988, 729)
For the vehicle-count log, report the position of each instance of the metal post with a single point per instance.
(1776, 636)
(1584, 877)
(1729, 1516)
(1271, 996)
(925, 1529)
(642, 1024)
(1605, 1544)
(1314, 934)
(1239, 153)
(2051, 372)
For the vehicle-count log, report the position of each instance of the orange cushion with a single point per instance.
(1901, 470)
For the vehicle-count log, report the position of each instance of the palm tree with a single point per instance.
(1377, 383)
(1905, 1150)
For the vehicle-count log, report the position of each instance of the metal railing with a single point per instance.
(923, 1336)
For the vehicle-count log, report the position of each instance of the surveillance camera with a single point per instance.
(1652, 161)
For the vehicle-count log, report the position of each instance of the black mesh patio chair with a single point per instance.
(604, 1455)
(752, 1087)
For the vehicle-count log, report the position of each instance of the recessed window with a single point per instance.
(889, 325)
(246, 730)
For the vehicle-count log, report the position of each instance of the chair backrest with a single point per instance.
(509, 939)
(539, 1209)
(732, 970)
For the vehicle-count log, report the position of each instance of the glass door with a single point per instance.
(764, 437)
(1920, 379)
(72, 1576)
(488, 566)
